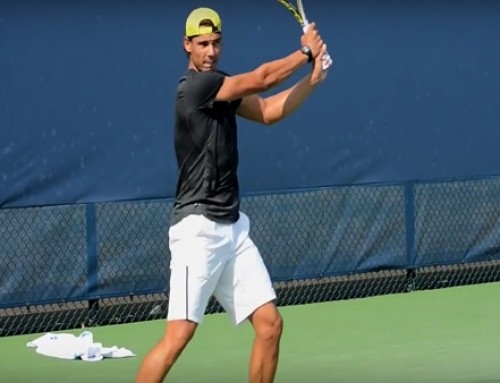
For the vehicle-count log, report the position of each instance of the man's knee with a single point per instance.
(269, 326)
(275, 328)
(179, 333)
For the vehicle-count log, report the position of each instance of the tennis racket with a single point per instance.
(299, 13)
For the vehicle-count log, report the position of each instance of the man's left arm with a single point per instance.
(274, 108)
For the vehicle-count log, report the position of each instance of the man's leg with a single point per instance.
(268, 325)
(245, 291)
(162, 357)
(196, 266)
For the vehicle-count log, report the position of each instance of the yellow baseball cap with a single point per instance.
(196, 17)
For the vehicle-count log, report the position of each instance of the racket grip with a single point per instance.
(326, 60)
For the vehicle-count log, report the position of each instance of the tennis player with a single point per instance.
(212, 253)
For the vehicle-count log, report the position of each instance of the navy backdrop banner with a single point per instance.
(87, 91)
(391, 164)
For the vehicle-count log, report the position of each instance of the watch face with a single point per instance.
(307, 51)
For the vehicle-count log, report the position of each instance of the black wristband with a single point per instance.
(308, 52)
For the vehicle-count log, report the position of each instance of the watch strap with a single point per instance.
(307, 51)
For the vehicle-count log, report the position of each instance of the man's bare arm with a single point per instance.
(270, 74)
(261, 79)
(274, 108)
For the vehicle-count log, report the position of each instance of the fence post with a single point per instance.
(410, 234)
(91, 228)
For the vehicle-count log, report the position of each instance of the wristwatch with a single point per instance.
(308, 52)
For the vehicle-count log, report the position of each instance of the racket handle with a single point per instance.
(326, 60)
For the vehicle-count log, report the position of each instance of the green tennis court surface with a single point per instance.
(448, 335)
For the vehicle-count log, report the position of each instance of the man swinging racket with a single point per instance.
(211, 250)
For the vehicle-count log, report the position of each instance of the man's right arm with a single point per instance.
(265, 77)
(270, 74)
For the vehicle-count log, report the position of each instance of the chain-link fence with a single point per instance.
(71, 266)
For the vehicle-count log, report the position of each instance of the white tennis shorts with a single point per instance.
(210, 258)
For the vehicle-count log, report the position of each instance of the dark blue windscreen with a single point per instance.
(87, 90)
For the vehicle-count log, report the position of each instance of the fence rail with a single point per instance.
(78, 265)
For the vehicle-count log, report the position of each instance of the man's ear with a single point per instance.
(187, 45)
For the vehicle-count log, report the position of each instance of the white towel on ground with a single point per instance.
(69, 346)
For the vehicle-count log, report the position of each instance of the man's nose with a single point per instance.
(211, 49)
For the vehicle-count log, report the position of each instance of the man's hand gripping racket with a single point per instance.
(300, 15)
